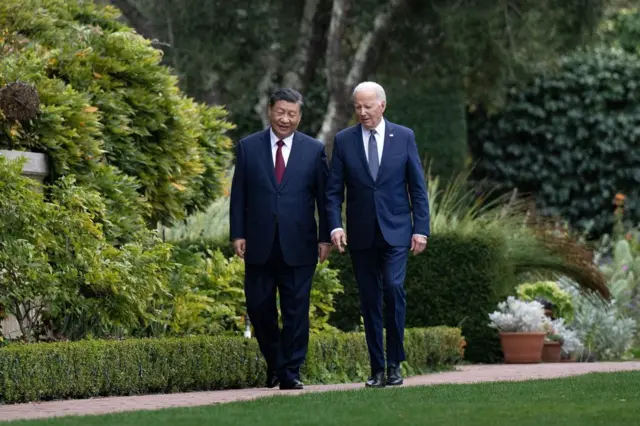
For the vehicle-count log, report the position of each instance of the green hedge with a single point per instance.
(570, 137)
(457, 281)
(85, 369)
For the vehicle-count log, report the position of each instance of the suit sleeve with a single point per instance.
(417, 190)
(237, 204)
(335, 188)
(321, 199)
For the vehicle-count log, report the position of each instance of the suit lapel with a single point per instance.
(387, 147)
(267, 159)
(295, 155)
(357, 130)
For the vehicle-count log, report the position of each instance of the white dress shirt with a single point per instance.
(286, 148)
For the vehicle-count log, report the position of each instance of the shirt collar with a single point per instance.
(379, 129)
(274, 139)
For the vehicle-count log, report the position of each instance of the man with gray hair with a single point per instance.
(378, 163)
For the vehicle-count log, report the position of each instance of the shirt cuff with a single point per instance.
(337, 229)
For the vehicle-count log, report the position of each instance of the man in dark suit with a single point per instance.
(378, 163)
(279, 180)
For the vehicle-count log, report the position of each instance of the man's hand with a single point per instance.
(418, 244)
(339, 240)
(239, 246)
(323, 251)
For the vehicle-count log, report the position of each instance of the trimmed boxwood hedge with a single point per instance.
(63, 370)
(457, 281)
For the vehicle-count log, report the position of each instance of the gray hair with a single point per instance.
(371, 85)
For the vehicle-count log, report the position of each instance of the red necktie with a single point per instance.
(279, 162)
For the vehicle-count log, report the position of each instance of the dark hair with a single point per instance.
(287, 95)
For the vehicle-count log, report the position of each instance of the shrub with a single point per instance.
(569, 137)
(606, 331)
(57, 267)
(89, 368)
(324, 288)
(111, 114)
(457, 281)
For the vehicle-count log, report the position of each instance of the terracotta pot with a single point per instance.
(551, 352)
(522, 348)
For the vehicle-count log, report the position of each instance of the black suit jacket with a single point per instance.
(258, 204)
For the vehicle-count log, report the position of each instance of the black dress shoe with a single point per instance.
(292, 385)
(394, 376)
(376, 380)
(272, 380)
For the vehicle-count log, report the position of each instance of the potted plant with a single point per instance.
(522, 330)
(570, 344)
(552, 348)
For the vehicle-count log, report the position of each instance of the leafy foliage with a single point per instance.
(56, 263)
(142, 366)
(549, 291)
(606, 332)
(111, 113)
(569, 137)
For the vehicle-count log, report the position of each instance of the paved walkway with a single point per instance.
(464, 374)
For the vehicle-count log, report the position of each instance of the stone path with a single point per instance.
(464, 374)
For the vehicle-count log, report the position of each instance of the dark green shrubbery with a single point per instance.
(570, 137)
(88, 369)
(456, 282)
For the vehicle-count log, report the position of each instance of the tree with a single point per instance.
(440, 51)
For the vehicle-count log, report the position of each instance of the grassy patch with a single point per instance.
(590, 400)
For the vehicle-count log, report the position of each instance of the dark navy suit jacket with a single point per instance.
(398, 191)
(258, 204)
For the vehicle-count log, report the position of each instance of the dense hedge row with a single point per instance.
(102, 368)
(457, 281)
(570, 137)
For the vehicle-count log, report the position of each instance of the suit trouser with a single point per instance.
(380, 272)
(284, 350)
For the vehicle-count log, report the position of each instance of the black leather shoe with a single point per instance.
(394, 376)
(376, 380)
(292, 385)
(272, 380)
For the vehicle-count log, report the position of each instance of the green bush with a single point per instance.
(111, 114)
(86, 369)
(60, 275)
(324, 289)
(457, 281)
(57, 267)
(569, 137)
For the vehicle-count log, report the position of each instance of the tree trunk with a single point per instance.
(337, 115)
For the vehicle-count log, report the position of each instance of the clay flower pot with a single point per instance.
(522, 347)
(551, 352)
